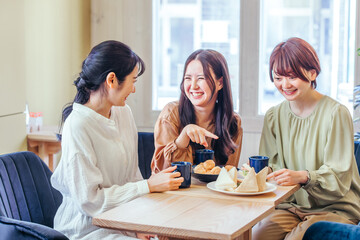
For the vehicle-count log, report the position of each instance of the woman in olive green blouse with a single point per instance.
(309, 140)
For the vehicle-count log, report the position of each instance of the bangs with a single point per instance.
(141, 65)
(284, 63)
(282, 67)
(206, 59)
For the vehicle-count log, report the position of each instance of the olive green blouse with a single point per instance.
(323, 144)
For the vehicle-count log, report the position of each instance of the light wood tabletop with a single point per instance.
(185, 217)
(194, 213)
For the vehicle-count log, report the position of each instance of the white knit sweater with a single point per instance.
(98, 170)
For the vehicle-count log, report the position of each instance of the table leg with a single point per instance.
(51, 162)
(45, 156)
(45, 151)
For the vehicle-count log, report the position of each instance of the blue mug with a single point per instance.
(258, 162)
(185, 170)
(201, 155)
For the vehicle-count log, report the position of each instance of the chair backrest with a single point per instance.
(25, 190)
(146, 150)
(357, 153)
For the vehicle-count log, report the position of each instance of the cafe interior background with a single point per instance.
(43, 43)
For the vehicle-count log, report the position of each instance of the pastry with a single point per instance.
(200, 169)
(209, 164)
(261, 179)
(249, 184)
(228, 167)
(233, 173)
(215, 170)
(224, 181)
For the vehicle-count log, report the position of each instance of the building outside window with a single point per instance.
(183, 26)
(329, 26)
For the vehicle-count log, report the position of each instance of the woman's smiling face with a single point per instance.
(120, 92)
(293, 88)
(196, 86)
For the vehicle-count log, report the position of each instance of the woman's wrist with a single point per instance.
(149, 185)
(307, 178)
(180, 143)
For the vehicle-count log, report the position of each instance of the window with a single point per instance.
(328, 25)
(181, 27)
(252, 32)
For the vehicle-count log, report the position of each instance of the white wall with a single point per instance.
(129, 21)
(12, 76)
(57, 35)
(42, 45)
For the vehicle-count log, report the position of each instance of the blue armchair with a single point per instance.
(146, 150)
(357, 154)
(324, 230)
(28, 202)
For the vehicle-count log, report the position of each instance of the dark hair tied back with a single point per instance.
(104, 58)
(80, 83)
(83, 94)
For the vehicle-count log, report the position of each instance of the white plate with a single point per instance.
(269, 188)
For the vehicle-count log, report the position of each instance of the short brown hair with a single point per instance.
(293, 56)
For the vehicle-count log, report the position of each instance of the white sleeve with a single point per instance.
(84, 182)
(137, 173)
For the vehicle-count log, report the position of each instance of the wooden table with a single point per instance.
(194, 213)
(45, 144)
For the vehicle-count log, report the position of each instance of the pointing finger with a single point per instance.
(211, 135)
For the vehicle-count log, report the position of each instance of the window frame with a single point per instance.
(130, 21)
(248, 69)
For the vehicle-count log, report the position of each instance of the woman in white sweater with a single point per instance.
(99, 163)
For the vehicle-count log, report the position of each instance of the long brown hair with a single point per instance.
(225, 121)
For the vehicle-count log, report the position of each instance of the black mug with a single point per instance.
(258, 162)
(185, 170)
(201, 155)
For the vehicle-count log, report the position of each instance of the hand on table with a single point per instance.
(165, 180)
(194, 133)
(287, 177)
